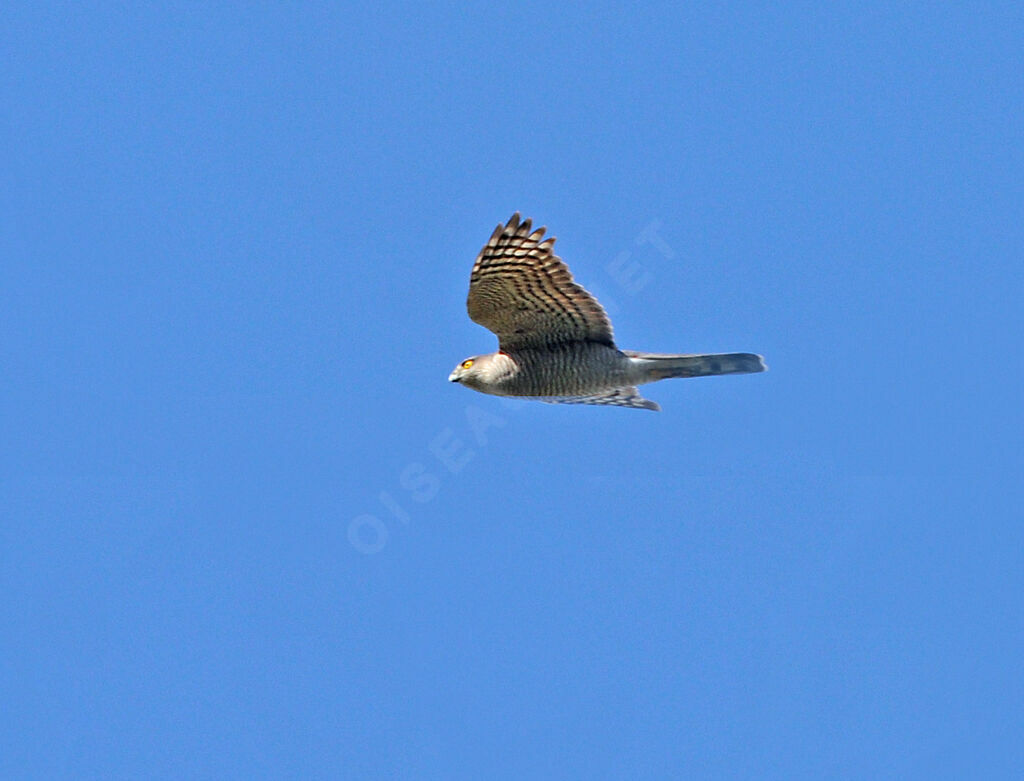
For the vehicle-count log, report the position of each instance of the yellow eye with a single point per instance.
(467, 363)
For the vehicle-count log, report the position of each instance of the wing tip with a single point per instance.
(523, 228)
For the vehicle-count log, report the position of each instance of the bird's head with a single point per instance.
(480, 371)
(468, 370)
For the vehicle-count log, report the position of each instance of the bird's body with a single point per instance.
(555, 340)
(573, 369)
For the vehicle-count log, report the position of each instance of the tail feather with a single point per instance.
(662, 367)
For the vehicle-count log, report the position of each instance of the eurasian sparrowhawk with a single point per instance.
(554, 338)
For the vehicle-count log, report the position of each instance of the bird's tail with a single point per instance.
(662, 367)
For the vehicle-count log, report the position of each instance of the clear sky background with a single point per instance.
(250, 530)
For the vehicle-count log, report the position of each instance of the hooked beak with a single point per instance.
(453, 377)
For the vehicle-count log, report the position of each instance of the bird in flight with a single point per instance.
(555, 340)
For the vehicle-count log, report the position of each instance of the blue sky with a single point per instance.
(250, 530)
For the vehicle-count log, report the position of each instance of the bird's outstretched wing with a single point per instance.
(620, 397)
(524, 293)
